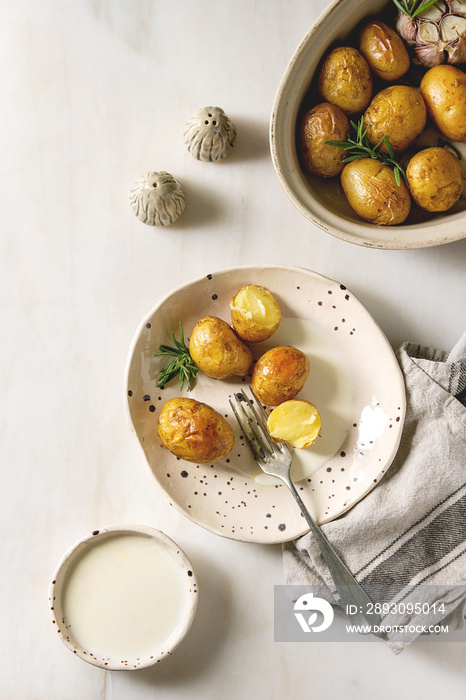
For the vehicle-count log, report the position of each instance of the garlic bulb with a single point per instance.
(437, 35)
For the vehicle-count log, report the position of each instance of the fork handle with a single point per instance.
(349, 590)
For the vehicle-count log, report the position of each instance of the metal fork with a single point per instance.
(275, 458)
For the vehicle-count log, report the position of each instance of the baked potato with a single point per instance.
(324, 122)
(435, 179)
(279, 374)
(373, 193)
(194, 431)
(217, 351)
(383, 50)
(255, 314)
(296, 422)
(397, 112)
(444, 91)
(345, 80)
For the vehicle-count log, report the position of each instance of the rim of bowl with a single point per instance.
(76, 551)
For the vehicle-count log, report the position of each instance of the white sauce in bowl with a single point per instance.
(126, 598)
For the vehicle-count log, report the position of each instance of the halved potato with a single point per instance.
(255, 314)
(296, 422)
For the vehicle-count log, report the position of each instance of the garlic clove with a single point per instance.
(452, 27)
(429, 55)
(457, 51)
(458, 6)
(428, 32)
(406, 28)
(434, 12)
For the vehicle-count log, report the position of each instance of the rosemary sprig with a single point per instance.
(358, 146)
(181, 364)
(413, 8)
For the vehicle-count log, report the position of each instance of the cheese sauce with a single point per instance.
(125, 597)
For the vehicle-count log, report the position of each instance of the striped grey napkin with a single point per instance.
(406, 540)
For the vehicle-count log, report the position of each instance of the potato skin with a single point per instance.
(194, 431)
(324, 122)
(279, 374)
(435, 178)
(255, 313)
(443, 88)
(373, 193)
(345, 80)
(217, 351)
(383, 50)
(398, 112)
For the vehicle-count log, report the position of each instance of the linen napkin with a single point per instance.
(406, 540)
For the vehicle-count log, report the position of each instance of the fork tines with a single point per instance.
(253, 423)
(253, 426)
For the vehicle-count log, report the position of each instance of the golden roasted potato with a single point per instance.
(255, 314)
(383, 50)
(217, 351)
(435, 179)
(194, 431)
(324, 122)
(296, 422)
(345, 80)
(444, 91)
(397, 112)
(373, 193)
(279, 374)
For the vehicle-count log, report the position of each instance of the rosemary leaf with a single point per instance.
(423, 6)
(181, 365)
(338, 144)
(354, 157)
(413, 8)
(358, 146)
(388, 145)
(402, 6)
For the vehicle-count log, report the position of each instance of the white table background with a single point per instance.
(94, 94)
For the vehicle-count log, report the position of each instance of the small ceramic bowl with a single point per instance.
(123, 597)
(320, 200)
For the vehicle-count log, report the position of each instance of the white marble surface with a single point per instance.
(94, 94)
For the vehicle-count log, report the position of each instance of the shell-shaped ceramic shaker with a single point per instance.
(210, 135)
(157, 199)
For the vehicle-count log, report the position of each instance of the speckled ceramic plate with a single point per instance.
(355, 381)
